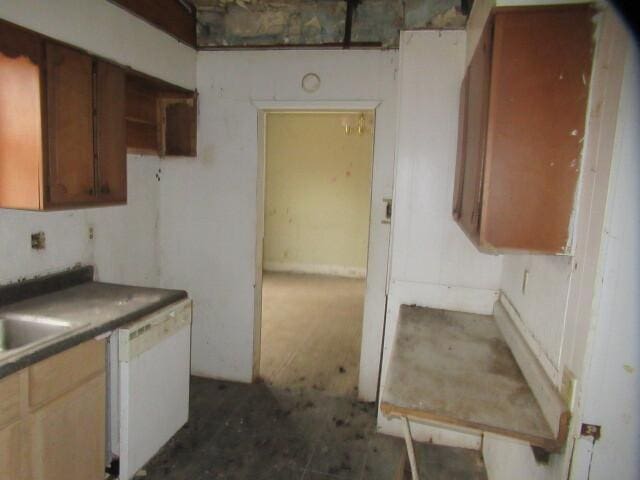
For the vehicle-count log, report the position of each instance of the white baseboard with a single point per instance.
(446, 297)
(337, 270)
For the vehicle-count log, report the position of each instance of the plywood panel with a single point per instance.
(59, 374)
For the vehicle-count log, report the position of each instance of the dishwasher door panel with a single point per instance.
(153, 386)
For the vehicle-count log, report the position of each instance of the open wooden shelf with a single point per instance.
(160, 118)
(453, 368)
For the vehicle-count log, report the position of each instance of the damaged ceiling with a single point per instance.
(281, 23)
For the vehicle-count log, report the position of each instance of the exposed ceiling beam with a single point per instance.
(351, 7)
(170, 16)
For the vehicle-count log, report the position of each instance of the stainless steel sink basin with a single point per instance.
(16, 333)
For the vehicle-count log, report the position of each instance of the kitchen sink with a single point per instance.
(19, 332)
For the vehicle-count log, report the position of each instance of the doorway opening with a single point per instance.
(317, 201)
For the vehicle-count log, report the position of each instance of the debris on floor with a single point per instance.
(257, 432)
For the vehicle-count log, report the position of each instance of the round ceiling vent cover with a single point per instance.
(310, 82)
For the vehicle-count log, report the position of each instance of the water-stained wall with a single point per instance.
(317, 192)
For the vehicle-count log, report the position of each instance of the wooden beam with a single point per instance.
(351, 7)
(170, 16)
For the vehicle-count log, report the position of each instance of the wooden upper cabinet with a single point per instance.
(68, 119)
(522, 128)
(111, 132)
(70, 124)
(21, 111)
(62, 125)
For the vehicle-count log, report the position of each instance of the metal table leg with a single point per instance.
(410, 452)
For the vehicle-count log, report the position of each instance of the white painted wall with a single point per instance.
(107, 30)
(558, 309)
(209, 204)
(124, 248)
(612, 384)
(432, 261)
(125, 245)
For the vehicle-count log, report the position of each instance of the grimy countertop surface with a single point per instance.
(456, 368)
(93, 307)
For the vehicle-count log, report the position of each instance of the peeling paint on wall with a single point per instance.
(264, 23)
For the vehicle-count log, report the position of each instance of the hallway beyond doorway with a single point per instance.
(311, 332)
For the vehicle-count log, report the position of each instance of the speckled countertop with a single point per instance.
(95, 307)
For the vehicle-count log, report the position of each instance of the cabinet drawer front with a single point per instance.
(9, 399)
(53, 377)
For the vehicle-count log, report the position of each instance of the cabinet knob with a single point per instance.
(90, 191)
(105, 189)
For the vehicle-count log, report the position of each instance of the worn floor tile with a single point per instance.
(258, 432)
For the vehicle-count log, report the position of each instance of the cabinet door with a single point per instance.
(21, 152)
(471, 173)
(70, 125)
(67, 436)
(111, 132)
(539, 90)
(11, 452)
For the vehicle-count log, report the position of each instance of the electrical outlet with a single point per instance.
(38, 241)
(91, 233)
(589, 430)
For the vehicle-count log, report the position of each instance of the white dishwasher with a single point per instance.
(148, 385)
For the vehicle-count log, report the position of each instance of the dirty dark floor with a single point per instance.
(256, 432)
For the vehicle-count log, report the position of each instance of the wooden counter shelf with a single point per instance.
(456, 369)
